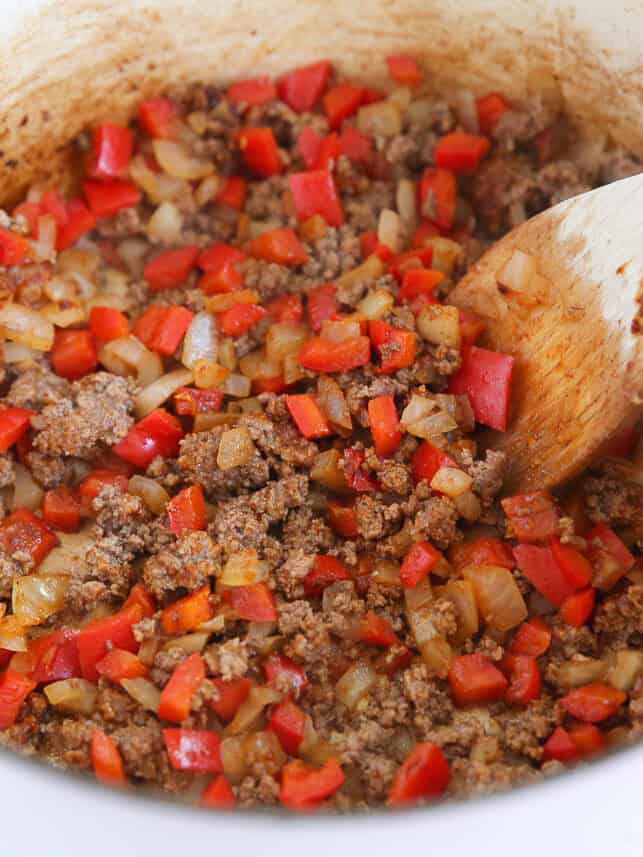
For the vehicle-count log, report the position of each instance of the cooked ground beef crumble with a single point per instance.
(246, 528)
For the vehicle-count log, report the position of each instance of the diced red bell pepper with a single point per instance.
(177, 695)
(342, 519)
(252, 92)
(304, 787)
(427, 460)
(543, 572)
(219, 795)
(107, 197)
(14, 423)
(254, 603)
(14, 248)
(369, 245)
(327, 155)
(594, 702)
(460, 152)
(23, 532)
(425, 773)
(577, 608)
(233, 193)
(438, 196)
(157, 434)
(605, 545)
(286, 675)
(53, 203)
(474, 679)
(188, 401)
(309, 143)
(54, 656)
(157, 117)
(240, 318)
(225, 279)
(73, 354)
(96, 480)
(420, 283)
(286, 308)
(231, 694)
(418, 562)
(186, 511)
(411, 260)
(280, 246)
(170, 268)
(322, 305)
(579, 742)
(141, 599)
(340, 102)
(588, 739)
(404, 69)
(524, 679)
(532, 638)
(119, 664)
(187, 613)
(302, 88)
(385, 425)
(314, 192)
(376, 630)
(31, 212)
(308, 418)
(355, 145)
(162, 329)
(80, 221)
(485, 377)
(97, 638)
(14, 689)
(576, 568)
(327, 570)
(288, 721)
(107, 323)
(560, 747)
(322, 355)
(357, 476)
(106, 760)
(259, 151)
(532, 517)
(486, 550)
(269, 385)
(193, 750)
(394, 345)
(61, 509)
(217, 255)
(490, 108)
(112, 151)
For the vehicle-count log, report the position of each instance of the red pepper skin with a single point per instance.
(532, 638)
(474, 680)
(106, 760)
(286, 308)
(485, 377)
(158, 433)
(14, 423)
(314, 192)
(95, 481)
(254, 603)
(186, 511)
(278, 245)
(576, 568)
(327, 570)
(487, 550)
(385, 425)
(157, 117)
(420, 283)
(610, 543)
(302, 88)
(170, 268)
(14, 248)
(560, 747)
(231, 694)
(187, 613)
(460, 152)
(219, 795)
(404, 69)
(307, 416)
(259, 151)
(233, 193)
(106, 323)
(223, 280)
(383, 337)
(357, 476)
(96, 638)
(418, 562)
(541, 569)
(107, 197)
(410, 260)
(320, 355)
(112, 151)
(524, 679)
(490, 109)
(61, 509)
(425, 773)
(24, 532)
(162, 329)
(588, 739)
(355, 145)
(74, 354)
(532, 517)
(442, 186)
(427, 460)
(576, 609)
(304, 787)
(285, 674)
(340, 102)
(193, 750)
(240, 318)
(309, 144)
(119, 664)
(80, 221)
(253, 92)
(322, 305)
(189, 401)
(140, 598)
(471, 327)
(376, 630)
(579, 742)
(214, 257)
(327, 154)
(55, 656)
(14, 689)
(593, 703)
(176, 696)
(287, 721)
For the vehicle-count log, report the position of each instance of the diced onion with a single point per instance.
(13, 634)
(375, 304)
(233, 758)
(499, 600)
(252, 708)
(462, 596)
(625, 669)
(144, 692)
(285, 337)
(64, 317)
(517, 273)
(390, 229)
(256, 366)
(221, 303)
(204, 422)
(188, 643)
(406, 203)
(467, 110)
(243, 569)
(386, 572)
(327, 472)
(165, 224)
(177, 162)
(401, 96)
(446, 254)
(27, 494)
(151, 492)
(418, 408)
(382, 119)
(576, 673)
(26, 326)
(371, 269)
(35, 597)
(440, 325)
(16, 353)
(200, 342)
(468, 506)
(72, 695)
(434, 648)
(209, 374)
(69, 554)
(293, 371)
(236, 448)
(158, 186)
(207, 190)
(432, 427)
(333, 403)
(451, 481)
(227, 354)
(159, 391)
(356, 682)
(42, 250)
(418, 596)
(133, 252)
(236, 385)
(213, 626)
(339, 331)
(128, 356)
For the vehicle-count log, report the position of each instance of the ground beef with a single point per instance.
(334, 254)
(614, 501)
(505, 188)
(36, 387)
(228, 660)
(488, 475)
(436, 521)
(186, 565)
(280, 438)
(198, 463)
(7, 472)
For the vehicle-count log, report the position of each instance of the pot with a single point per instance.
(63, 66)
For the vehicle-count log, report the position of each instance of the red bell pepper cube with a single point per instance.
(55, 656)
(418, 562)
(486, 550)
(233, 193)
(14, 249)
(327, 570)
(187, 613)
(342, 519)
(376, 630)
(217, 255)
(580, 741)
(189, 401)
(14, 689)
(107, 323)
(286, 675)
(461, 153)
(576, 568)
(219, 795)
(438, 195)
(560, 747)
(309, 143)
(14, 423)
(327, 154)
(420, 283)
(252, 92)
(259, 151)
(485, 377)
(286, 308)
(411, 260)
(106, 760)
(280, 246)
(255, 603)
(355, 145)
(159, 433)
(304, 787)
(108, 197)
(471, 326)
(321, 355)
(240, 318)
(23, 532)
(162, 329)
(404, 69)
(543, 572)
(322, 305)
(594, 702)
(314, 192)
(604, 545)
(302, 88)
(119, 664)
(357, 476)
(425, 773)
(532, 638)
(269, 385)
(588, 739)
(96, 480)
(577, 608)
(369, 245)
(385, 425)
(111, 152)
(99, 637)
(524, 679)
(490, 108)
(225, 279)
(177, 695)
(532, 517)
(186, 511)
(53, 203)
(308, 418)
(157, 116)
(193, 750)
(73, 354)
(140, 598)
(231, 694)
(394, 345)
(61, 509)
(80, 221)
(340, 102)
(170, 268)
(474, 679)
(427, 460)
(288, 721)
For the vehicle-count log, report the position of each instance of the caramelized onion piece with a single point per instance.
(499, 600)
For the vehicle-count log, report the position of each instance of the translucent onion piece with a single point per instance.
(227, 354)
(207, 190)
(165, 224)
(285, 337)
(371, 269)
(310, 740)
(390, 230)
(293, 371)
(64, 317)
(148, 649)
(446, 254)
(128, 356)
(27, 494)
(401, 96)
(243, 569)
(333, 403)
(518, 272)
(34, 597)
(462, 596)
(386, 572)
(251, 405)
(266, 746)
(204, 422)
(69, 554)
(200, 341)
(339, 331)
(188, 643)
(13, 635)
(256, 365)
(576, 673)
(437, 655)
(499, 600)
(376, 304)
(157, 186)
(440, 325)
(356, 682)
(327, 472)
(42, 250)
(451, 481)
(152, 493)
(432, 427)
(26, 326)
(382, 119)
(236, 385)
(177, 162)
(252, 708)
(16, 353)
(159, 391)
(133, 252)
(468, 506)
(627, 666)
(418, 408)
(59, 289)
(72, 695)
(143, 691)
(209, 374)
(418, 596)
(313, 228)
(233, 758)
(236, 448)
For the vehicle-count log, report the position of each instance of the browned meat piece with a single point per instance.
(186, 564)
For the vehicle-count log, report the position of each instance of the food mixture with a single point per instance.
(250, 552)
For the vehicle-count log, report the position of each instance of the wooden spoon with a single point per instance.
(576, 330)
